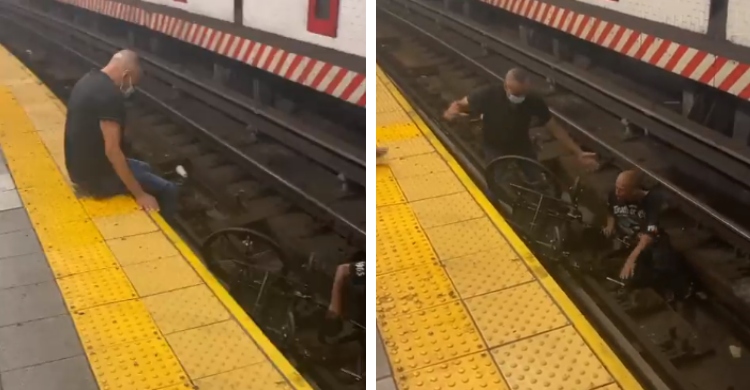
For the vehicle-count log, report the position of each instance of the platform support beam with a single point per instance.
(582, 61)
(221, 74)
(742, 127)
(560, 49)
(131, 38)
(77, 18)
(468, 8)
(525, 33)
(262, 92)
(688, 101)
(154, 44)
(95, 24)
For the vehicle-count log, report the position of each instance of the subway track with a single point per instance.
(435, 58)
(303, 197)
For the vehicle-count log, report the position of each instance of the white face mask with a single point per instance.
(516, 99)
(127, 91)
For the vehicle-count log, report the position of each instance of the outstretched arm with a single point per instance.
(561, 135)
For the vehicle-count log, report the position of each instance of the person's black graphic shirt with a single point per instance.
(636, 217)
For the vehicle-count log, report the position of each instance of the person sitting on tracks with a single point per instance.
(507, 111)
(93, 132)
(634, 218)
(351, 272)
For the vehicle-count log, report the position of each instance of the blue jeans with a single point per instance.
(165, 192)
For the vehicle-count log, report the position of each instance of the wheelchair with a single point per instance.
(540, 211)
(288, 301)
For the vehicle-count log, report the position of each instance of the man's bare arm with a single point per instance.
(112, 134)
(561, 135)
(457, 108)
(643, 241)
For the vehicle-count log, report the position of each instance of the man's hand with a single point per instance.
(608, 230)
(147, 202)
(628, 269)
(452, 115)
(588, 161)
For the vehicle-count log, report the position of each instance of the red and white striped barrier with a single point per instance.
(322, 76)
(710, 69)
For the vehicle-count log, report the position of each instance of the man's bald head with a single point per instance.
(124, 68)
(517, 82)
(126, 58)
(628, 184)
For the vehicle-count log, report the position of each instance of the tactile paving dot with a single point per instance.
(124, 225)
(69, 235)
(388, 190)
(398, 131)
(146, 364)
(79, 259)
(213, 349)
(116, 323)
(430, 186)
(407, 147)
(412, 289)
(400, 243)
(559, 358)
(26, 171)
(185, 308)
(474, 372)
(428, 337)
(386, 119)
(384, 99)
(43, 211)
(82, 291)
(422, 164)
(464, 238)
(118, 205)
(261, 376)
(157, 276)
(446, 210)
(515, 313)
(142, 248)
(480, 273)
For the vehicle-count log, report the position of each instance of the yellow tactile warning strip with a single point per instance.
(149, 314)
(461, 302)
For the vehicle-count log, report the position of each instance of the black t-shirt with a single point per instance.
(506, 125)
(95, 97)
(636, 217)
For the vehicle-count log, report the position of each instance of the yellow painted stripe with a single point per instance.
(610, 360)
(281, 363)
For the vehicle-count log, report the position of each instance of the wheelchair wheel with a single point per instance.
(253, 268)
(229, 252)
(521, 171)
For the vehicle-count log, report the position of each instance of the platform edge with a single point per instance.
(274, 355)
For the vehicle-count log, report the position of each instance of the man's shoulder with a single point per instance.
(95, 82)
(490, 90)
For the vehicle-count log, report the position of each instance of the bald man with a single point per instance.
(93, 134)
(634, 215)
(507, 112)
